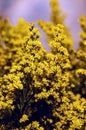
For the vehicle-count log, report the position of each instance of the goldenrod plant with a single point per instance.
(79, 62)
(40, 89)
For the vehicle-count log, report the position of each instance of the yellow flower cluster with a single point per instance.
(56, 14)
(23, 118)
(10, 41)
(42, 90)
(33, 126)
(57, 18)
(79, 72)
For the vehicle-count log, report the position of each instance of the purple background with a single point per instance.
(32, 10)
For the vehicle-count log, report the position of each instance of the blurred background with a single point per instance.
(32, 10)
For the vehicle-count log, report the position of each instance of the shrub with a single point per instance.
(41, 90)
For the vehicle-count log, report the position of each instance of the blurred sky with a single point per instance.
(32, 10)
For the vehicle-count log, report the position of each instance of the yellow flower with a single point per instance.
(23, 118)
